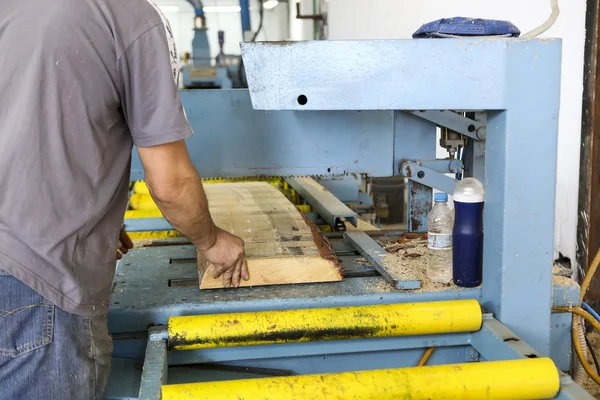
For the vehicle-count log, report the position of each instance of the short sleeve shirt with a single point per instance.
(82, 81)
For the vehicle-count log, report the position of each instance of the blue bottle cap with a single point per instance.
(441, 197)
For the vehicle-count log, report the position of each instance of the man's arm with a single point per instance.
(177, 189)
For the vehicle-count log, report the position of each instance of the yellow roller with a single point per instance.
(140, 187)
(142, 202)
(269, 327)
(518, 379)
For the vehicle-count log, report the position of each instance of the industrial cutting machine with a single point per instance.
(333, 108)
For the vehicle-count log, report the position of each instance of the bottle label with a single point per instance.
(437, 241)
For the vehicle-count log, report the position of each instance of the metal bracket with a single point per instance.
(428, 177)
(454, 121)
(442, 166)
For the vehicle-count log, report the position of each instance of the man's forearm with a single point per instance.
(185, 206)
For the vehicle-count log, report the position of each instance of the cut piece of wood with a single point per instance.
(282, 246)
(279, 271)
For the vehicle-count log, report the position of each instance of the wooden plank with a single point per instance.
(282, 247)
(278, 271)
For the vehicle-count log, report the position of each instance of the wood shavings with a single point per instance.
(563, 281)
(362, 260)
(407, 259)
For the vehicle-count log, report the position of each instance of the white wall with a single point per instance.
(386, 19)
(275, 25)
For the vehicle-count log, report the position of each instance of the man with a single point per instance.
(81, 81)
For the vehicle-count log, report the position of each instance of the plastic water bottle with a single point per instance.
(467, 237)
(439, 241)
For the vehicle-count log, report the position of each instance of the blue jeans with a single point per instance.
(47, 353)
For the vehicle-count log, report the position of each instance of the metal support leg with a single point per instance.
(154, 374)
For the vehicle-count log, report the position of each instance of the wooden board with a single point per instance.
(282, 247)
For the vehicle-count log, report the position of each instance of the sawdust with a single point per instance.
(362, 260)
(563, 281)
(142, 242)
(407, 259)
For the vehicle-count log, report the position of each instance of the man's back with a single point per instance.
(80, 79)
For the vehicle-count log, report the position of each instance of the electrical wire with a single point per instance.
(546, 25)
(261, 13)
(578, 313)
(589, 309)
(425, 356)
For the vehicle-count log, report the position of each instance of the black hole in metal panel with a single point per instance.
(511, 339)
(302, 100)
(471, 128)
(421, 174)
(328, 169)
(531, 355)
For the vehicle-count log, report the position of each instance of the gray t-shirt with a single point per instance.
(80, 82)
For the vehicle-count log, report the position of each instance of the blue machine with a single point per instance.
(322, 108)
(203, 71)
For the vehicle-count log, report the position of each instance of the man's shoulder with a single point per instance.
(131, 18)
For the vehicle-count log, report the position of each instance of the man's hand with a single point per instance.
(227, 255)
(125, 244)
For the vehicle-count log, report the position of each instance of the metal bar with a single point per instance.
(154, 373)
(147, 225)
(454, 121)
(474, 154)
(442, 166)
(226, 354)
(428, 177)
(255, 328)
(373, 252)
(327, 205)
(528, 379)
(569, 390)
(496, 342)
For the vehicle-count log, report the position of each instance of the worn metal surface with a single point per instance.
(329, 207)
(519, 229)
(306, 325)
(454, 121)
(346, 75)
(530, 379)
(233, 140)
(155, 369)
(373, 252)
(425, 176)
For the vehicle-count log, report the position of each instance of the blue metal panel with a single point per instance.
(142, 296)
(147, 224)
(520, 185)
(358, 361)
(316, 348)
(347, 75)
(233, 140)
(560, 338)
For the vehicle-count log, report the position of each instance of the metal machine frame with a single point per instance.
(323, 108)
